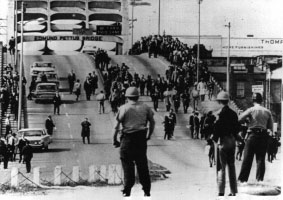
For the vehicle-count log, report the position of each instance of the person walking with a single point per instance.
(28, 154)
(201, 87)
(134, 117)
(260, 122)
(101, 98)
(49, 125)
(195, 95)
(77, 89)
(12, 140)
(85, 133)
(225, 133)
(57, 102)
(172, 122)
(71, 80)
(21, 143)
(4, 151)
(154, 98)
(196, 122)
(88, 88)
(166, 123)
(8, 125)
(12, 46)
(192, 124)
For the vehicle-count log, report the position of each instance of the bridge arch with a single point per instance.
(61, 17)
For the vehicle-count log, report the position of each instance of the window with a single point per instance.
(240, 89)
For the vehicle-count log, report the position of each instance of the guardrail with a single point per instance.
(110, 175)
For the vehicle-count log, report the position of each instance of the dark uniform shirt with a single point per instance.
(227, 124)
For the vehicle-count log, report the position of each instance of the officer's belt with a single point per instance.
(258, 130)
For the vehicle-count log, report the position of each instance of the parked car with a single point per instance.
(50, 76)
(41, 66)
(37, 137)
(45, 91)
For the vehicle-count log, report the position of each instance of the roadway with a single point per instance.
(184, 157)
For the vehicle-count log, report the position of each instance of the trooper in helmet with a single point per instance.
(225, 133)
(133, 118)
(260, 121)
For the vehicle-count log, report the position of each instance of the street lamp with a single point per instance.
(228, 61)
(198, 51)
(21, 68)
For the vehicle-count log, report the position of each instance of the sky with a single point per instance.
(261, 18)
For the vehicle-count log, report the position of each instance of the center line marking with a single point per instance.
(67, 114)
(69, 125)
(64, 105)
(71, 136)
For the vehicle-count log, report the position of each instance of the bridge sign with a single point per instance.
(82, 31)
(108, 30)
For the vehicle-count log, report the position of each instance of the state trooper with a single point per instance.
(260, 121)
(134, 117)
(225, 133)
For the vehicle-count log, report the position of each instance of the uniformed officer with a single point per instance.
(260, 120)
(225, 132)
(134, 117)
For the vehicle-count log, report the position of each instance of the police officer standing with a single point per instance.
(225, 132)
(57, 102)
(28, 154)
(134, 117)
(260, 120)
(49, 125)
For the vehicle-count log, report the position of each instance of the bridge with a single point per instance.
(72, 20)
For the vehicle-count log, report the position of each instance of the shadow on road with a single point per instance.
(53, 150)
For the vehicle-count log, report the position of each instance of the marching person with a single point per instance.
(77, 89)
(225, 133)
(28, 154)
(12, 140)
(20, 145)
(49, 125)
(201, 87)
(4, 151)
(85, 130)
(8, 125)
(71, 80)
(134, 117)
(101, 100)
(57, 102)
(260, 121)
(88, 88)
(172, 121)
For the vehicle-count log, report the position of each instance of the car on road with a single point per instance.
(41, 66)
(37, 137)
(45, 91)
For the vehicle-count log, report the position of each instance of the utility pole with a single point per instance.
(158, 17)
(16, 33)
(21, 68)
(228, 61)
(198, 51)
(133, 4)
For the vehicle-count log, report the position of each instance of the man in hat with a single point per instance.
(225, 133)
(28, 154)
(85, 133)
(134, 117)
(260, 123)
(57, 102)
(49, 125)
